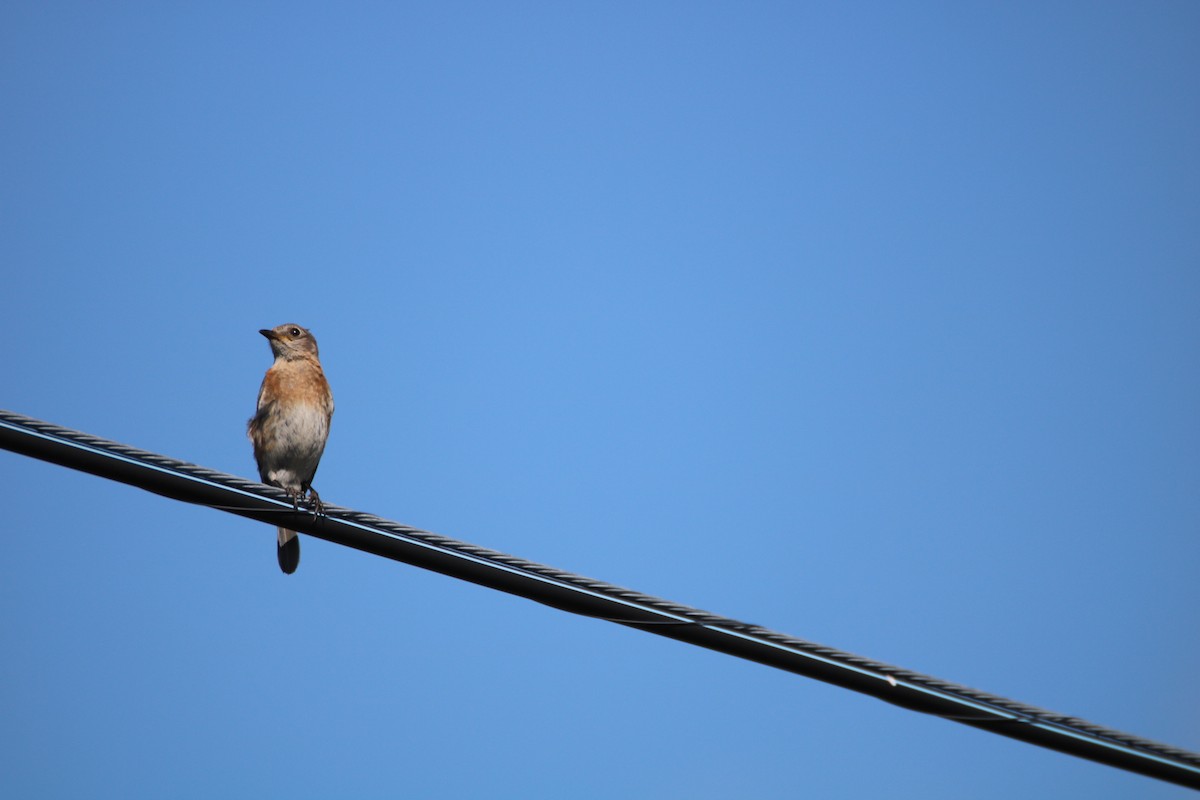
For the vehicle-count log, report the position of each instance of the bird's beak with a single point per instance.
(268, 333)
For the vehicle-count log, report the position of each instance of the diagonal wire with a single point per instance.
(580, 595)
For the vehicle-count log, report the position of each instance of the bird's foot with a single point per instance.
(294, 495)
(314, 502)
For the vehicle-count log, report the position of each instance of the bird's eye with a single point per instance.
(294, 332)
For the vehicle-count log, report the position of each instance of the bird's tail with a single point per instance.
(288, 551)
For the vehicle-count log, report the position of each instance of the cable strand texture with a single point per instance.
(688, 615)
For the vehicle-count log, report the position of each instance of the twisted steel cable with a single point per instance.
(578, 594)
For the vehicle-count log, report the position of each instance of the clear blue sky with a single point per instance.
(873, 323)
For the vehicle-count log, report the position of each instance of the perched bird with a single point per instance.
(291, 425)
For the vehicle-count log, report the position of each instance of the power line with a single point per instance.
(190, 483)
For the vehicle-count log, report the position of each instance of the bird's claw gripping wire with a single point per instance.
(314, 502)
(294, 496)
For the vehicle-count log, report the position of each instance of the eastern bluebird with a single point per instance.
(291, 425)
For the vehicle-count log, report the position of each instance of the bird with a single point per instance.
(291, 425)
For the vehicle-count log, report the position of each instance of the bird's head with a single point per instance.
(290, 341)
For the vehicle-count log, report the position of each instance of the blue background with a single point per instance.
(873, 323)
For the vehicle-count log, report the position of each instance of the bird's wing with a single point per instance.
(266, 392)
(267, 396)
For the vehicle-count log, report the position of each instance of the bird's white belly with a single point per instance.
(299, 434)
